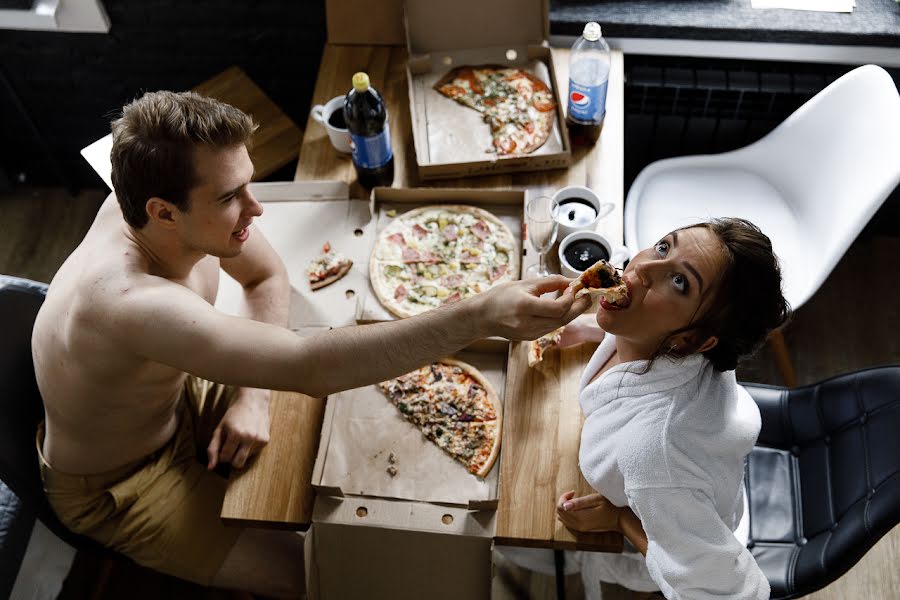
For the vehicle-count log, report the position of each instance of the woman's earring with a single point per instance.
(673, 347)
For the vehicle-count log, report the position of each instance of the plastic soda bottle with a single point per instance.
(588, 82)
(370, 135)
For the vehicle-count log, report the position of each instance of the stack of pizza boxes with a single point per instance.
(450, 139)
(394, 514)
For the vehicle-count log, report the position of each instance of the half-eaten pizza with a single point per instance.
(601, 280)
(455, 407)
(517, 105)
(537, 347)
(327, 268)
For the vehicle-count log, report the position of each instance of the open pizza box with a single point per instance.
(379, 536)
(452, 140)
(390, 203)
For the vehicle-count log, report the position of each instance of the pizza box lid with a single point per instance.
(469, 24)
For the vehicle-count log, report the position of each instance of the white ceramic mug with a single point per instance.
(340, 138)
(568, 218)
(617, 254)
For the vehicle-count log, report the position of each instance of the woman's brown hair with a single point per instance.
(747, 302)
(153, 143)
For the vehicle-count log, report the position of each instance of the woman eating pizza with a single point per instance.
(667, 427)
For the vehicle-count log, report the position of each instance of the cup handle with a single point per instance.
(619, 255)
(316, 113)
(605, 209)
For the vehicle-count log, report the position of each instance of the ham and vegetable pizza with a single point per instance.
(518, 106)
(455, 407)
(437, 255)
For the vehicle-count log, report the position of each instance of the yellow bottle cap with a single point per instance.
(360, 82)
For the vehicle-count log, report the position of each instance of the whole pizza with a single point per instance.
(517, 105)
(455, 407)
(437, 255)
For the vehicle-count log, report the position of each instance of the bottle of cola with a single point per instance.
(588, 82)
(370, 135)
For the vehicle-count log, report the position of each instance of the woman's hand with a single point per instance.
(588, 513)
(582, 328)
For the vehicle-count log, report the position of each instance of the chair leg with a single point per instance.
(782, 358)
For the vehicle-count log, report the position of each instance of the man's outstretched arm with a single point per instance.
(171, 325)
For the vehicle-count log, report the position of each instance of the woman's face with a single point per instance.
(666, 284)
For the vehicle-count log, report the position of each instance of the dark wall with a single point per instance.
(58, 91)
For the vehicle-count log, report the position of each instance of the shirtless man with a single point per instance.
(128, 341)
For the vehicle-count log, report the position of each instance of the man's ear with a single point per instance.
(161, 212)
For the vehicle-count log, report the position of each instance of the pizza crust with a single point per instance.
(345, 268)
(495, 401)
(506, 135)
(587, 283)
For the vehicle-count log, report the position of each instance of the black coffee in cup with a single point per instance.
(337, 119)
(581, 254)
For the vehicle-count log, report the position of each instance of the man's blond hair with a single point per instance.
(153, 144)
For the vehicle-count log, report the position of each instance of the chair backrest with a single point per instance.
(824, 483)
(834, 160)
(21, 407)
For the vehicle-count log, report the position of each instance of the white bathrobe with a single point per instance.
(671, 444)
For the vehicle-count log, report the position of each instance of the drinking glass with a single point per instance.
(541, 228)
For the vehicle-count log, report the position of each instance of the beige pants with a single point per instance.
(163, 510)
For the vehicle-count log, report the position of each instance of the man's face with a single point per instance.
(667, 284)
(221, 206)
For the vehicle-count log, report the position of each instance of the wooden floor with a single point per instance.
(834, 333)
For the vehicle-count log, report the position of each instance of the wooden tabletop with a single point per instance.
(542, 423)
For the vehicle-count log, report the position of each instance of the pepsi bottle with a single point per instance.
(370, 136)
(588, 82)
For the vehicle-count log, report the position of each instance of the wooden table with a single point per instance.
(542, 424)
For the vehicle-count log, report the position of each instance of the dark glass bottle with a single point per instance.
(367, 122)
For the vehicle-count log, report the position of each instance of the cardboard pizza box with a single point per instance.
(362, 429)
(507, 205)
(377, 536)
(444, 35)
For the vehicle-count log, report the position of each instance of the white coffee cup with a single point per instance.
(617, 254)
(571, 215)
(321, 113)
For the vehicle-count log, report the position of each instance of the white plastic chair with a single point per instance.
(811, 184)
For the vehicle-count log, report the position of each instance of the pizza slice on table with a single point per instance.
(537, 347)
(327, 268)
(603, 282)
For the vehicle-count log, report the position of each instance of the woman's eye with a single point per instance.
(662, 248)
(680, 282)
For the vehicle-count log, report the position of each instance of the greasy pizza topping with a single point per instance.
(451, 408)
(440, 255)
(328, 263)
(518, 106)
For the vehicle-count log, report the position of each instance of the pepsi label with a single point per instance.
(587, 103)
(372, 152)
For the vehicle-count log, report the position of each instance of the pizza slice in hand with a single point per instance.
(601, 280)
(537, 347)
(327, 268)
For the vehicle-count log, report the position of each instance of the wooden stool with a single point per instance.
(277, 141)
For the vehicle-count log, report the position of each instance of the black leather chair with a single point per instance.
(21, 407)
(823, 483)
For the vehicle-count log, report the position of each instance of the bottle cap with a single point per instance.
(360, 82)
(592, 31)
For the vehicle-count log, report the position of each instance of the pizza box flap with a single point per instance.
(298, 218)
(470, 24)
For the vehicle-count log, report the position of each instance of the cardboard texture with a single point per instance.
(402, 551)
(507, 205)
(442, 36)
(355, 22)
(362, 428)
